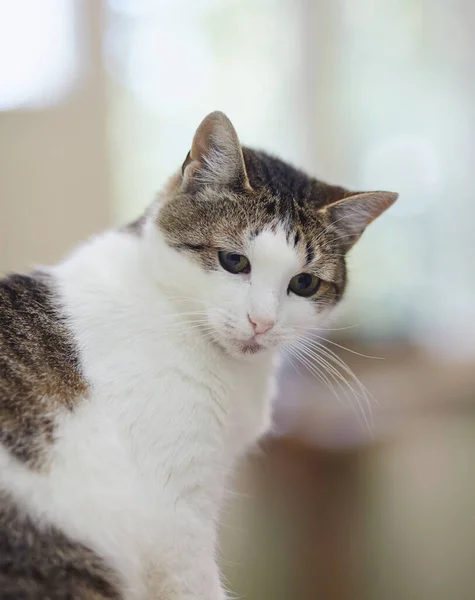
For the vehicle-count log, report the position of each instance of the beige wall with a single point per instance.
(54, 183)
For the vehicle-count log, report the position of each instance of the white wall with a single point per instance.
(54, 172)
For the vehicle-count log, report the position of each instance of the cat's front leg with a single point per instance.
(195, 579)
(182, 563)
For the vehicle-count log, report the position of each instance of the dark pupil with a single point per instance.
(304, 281)
(234, 259)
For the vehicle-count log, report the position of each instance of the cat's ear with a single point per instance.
(216, 156)
(352, 214)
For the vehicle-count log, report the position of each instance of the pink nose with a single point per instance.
(260, 325)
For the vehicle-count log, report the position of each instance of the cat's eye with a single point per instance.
(234, 262)
(304, 284)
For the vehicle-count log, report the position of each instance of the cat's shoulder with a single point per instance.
(40, 371)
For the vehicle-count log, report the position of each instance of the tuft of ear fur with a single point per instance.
(216, 156)
(355, 212)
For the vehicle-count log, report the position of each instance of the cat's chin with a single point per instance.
(242, 348)
(250, 347)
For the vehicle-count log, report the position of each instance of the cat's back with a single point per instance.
(40, 378)
(40, 374)
(38, 563)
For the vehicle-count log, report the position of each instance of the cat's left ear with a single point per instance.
(216, 156)
(355, 212)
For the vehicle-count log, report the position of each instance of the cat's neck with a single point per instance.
(119, 276)
(119, 289)
(146, 369)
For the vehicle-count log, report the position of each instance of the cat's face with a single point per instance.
(262, 245)
(263, 292)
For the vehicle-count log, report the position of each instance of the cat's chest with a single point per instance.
(176, 392)
(203, 402)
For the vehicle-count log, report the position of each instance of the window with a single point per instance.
(39, 66)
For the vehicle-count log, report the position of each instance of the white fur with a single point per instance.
(139, 468)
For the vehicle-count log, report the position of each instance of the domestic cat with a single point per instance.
(135, 373)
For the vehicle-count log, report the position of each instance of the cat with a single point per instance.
(135, 373)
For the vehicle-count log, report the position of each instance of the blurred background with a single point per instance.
(98, 104)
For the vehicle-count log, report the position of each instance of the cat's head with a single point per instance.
(259, 245)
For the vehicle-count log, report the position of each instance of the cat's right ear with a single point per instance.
(216, 156)
(354, 212)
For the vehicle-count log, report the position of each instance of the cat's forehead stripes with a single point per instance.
(271, 254)
(214, 219)
(278, 196)
(227, 193)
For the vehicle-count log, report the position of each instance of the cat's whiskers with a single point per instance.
(175, 326)
(184, 327)
(171, 316)
(291, 362)
(174, 317)
(314, 335)
(345, 388)
(315, 370)
(324, 364)
(328, 355)
(332, 355)
(325, 328)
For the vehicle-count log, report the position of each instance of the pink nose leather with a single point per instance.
(260, 325)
